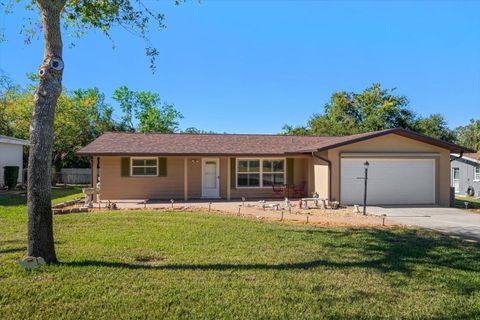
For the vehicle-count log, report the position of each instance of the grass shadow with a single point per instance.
(381, 250)
(13, 250)
(21, 199)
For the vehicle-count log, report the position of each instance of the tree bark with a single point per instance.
(40, 220)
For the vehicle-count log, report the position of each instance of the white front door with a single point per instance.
(456, 179)
(210, 178)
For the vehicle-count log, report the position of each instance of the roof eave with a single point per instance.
(159, 154)
(405, 133)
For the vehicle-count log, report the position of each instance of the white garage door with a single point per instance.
(390, 181)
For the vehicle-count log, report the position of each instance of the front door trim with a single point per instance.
(211, 193)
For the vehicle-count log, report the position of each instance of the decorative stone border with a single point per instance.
(59, 208)
(72, 210)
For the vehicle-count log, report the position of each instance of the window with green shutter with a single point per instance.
(144, 166)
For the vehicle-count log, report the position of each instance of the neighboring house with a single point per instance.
(405, 167)
(11, 154)
(466, 174)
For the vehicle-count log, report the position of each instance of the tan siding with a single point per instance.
(317, 173)
(321, 178)
(114, 186)
(223, 177)
(395, 143)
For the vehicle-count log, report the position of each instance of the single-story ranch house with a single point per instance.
(405, 167)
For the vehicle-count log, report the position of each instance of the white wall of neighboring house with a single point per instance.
(11, 154)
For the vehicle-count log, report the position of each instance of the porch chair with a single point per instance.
(299, 189)
(278, 191)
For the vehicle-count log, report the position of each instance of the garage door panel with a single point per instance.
(390, 181)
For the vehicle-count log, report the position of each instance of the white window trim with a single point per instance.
(476, 174)
(261, 186)
(143, 158)
(453, 178)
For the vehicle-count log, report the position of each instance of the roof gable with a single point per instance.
(399, 131)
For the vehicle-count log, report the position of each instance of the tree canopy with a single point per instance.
(82, 115)
(469, 135)
(372, 109)
(147, 109)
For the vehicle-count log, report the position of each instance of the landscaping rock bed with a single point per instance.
(71, 206)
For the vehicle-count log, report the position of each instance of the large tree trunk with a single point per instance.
(40, 226)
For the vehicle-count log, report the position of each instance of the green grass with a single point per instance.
(472, 202)
(154, 265)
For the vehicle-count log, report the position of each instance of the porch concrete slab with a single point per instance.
(453, 221)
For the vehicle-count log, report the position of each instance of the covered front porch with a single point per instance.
(196, 177)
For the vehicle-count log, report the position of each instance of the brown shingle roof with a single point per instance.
(120, 143)
(179, 144)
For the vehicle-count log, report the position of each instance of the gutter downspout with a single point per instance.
(456, 158)
(329, 173)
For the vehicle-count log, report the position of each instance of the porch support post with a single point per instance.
(94, 178)
(229, 183)
(185, 179)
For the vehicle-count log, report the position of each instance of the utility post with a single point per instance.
(366, 165)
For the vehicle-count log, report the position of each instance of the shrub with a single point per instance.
(10, 176)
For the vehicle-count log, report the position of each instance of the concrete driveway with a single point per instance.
(452, 221)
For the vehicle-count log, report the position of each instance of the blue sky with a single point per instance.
(252, 66)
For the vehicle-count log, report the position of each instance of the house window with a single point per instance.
(260, 173)
(144, 167)
(248, 173)
(477, 174)
(273, 172)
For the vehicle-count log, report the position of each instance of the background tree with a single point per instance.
(79, 16)
(8, 91)
(193, 130)
(81, 116)
(435, 126)
(372, 109)
(145, 108)
(469, 135)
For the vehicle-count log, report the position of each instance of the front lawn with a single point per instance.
(472, 202)
(152, 265)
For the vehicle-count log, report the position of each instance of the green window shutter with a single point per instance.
(290, 166)
(233, 173)
(162, 167)
(125, 164)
